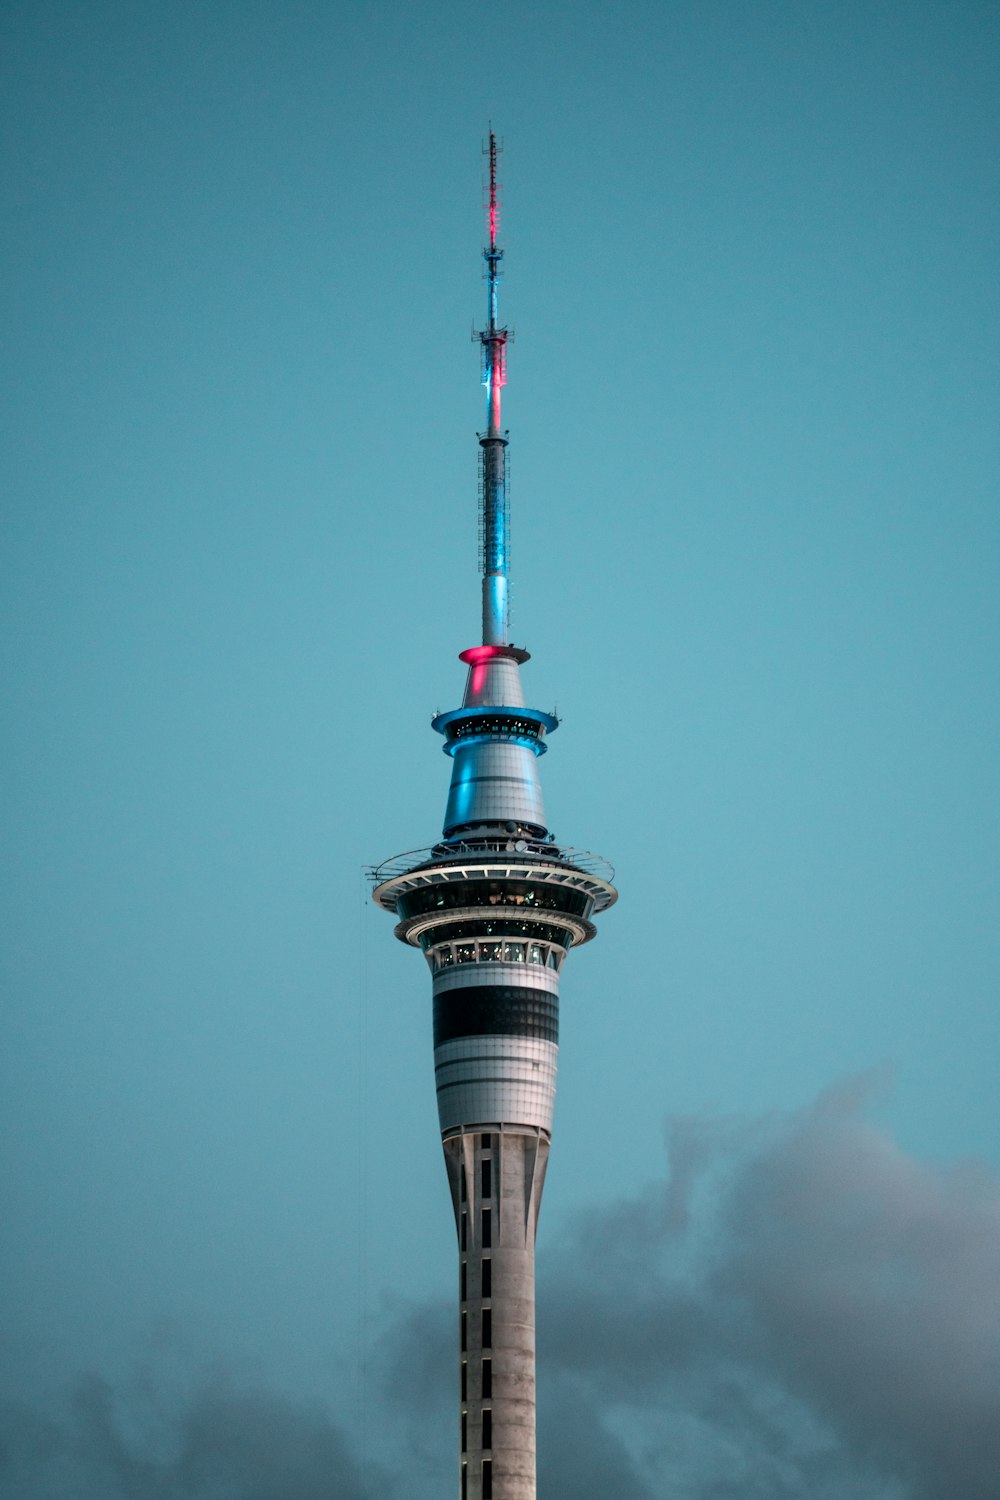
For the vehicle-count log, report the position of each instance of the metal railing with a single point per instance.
(463, 852)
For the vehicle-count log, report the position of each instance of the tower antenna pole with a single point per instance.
(494, 513)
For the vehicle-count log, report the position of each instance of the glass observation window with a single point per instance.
(516, 893)
(509, 928)
(448, 954)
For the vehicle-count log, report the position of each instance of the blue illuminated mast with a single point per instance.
(494, 516)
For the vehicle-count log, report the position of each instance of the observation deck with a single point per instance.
(505, 865)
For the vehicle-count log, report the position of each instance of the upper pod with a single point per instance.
(494, 741)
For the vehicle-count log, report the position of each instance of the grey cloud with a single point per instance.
(579, 1454)
(798, 1310)
(875, 1283)
(220, 1444)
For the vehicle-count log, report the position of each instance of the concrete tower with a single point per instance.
(495, 907)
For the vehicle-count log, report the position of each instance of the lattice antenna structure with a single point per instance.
(494, 513)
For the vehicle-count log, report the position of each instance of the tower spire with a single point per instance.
(494, 517)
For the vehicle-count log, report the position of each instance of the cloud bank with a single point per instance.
(796, 1310)
(218, 1443)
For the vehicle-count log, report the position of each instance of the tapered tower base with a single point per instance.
(496, 1176)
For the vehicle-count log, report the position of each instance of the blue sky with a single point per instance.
(751, 267)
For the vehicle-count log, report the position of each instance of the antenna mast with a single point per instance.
(494, 518)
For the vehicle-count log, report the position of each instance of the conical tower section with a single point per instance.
(495, 906)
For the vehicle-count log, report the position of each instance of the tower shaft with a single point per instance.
(496, 1180)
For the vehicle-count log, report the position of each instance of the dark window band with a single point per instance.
(516, 927)
(495, 1010)
(530, 896)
